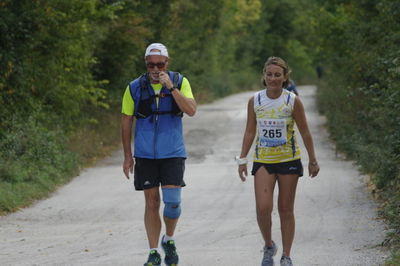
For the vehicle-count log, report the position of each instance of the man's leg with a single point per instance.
(172, 208)
(152, 219)
(287, 193)
(172, 211)
(171, 173)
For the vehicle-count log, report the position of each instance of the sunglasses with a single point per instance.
(153, 65)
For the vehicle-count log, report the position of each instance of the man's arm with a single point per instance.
(187, 105)
(126, 136)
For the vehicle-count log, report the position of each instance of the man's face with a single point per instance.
(156, 64)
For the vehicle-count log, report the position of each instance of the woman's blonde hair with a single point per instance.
(273, 60)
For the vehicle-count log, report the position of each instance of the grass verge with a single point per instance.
(34, 161)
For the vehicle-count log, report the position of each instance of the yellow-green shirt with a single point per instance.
(128, 105)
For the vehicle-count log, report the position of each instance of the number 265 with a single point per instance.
(272, 133)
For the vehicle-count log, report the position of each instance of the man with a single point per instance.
(157, 100)
(292, 87)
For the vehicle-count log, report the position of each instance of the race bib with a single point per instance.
(272, 132)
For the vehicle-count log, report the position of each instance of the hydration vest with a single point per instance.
(158, 130)
(145, 106)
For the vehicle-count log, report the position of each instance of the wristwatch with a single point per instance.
(172, 89)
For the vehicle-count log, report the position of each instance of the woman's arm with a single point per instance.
(248, 137)
(301, 121)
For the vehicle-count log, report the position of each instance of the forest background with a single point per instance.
(64, 65)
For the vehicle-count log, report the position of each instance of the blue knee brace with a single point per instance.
(172, 201)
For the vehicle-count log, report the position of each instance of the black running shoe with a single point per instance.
(171, 257)
(154, 259)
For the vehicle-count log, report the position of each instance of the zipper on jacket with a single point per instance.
(156, 125)
(155, 136)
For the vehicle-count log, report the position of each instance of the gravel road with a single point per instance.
(97, 219)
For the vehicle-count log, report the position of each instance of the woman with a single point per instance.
(272, 112)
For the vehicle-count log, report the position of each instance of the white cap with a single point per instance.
(162, 50)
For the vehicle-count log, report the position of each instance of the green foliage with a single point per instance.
(50, 58)
(391, 212)
(27, 142)
(33, 160)
(119, 54)
(46, 85)
(358, 45)
(64, 63)
(367, 87)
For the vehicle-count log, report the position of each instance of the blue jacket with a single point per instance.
(158, 132)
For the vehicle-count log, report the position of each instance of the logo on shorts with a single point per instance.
(292, 168)
(146, 183)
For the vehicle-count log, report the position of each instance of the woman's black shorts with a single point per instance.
(153, 172)
(287, 168)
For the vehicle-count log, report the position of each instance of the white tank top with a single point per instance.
(276, 142)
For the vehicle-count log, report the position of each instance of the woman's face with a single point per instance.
(274, 77)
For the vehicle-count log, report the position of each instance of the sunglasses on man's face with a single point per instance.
(153, 65)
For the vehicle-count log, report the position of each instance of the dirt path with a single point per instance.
(97, 219)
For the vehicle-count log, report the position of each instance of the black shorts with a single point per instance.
(153, 172)
(287, 168)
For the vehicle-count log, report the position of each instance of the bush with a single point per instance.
(32, 158)
(361, 95)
